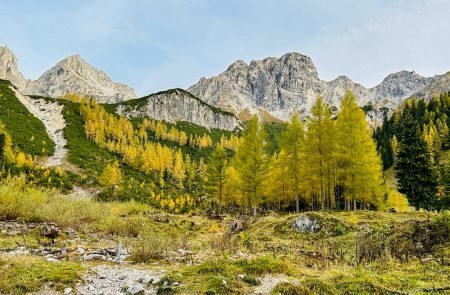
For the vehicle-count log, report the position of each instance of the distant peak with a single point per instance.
(294, 54)
(238, 65)
(4, 50)
(343, 78)
(73, 58)
(402, 75)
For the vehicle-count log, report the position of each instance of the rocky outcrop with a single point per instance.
(438, 84)
(9, 69)
(178, 105)
(305, 223)
(281, 86)
(70, 75)
(73, 74)
(398, 86)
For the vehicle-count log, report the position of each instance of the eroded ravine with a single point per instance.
(50, 114)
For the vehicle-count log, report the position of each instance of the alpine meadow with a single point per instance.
(262, 179)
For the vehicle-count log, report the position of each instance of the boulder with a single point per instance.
(136, 290)
(305, 223)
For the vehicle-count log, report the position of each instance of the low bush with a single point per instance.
(154, 245)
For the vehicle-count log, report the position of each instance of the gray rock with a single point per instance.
(67, 291)
(73, 74)
(80, 251)
(136, 290)
(281, 86)
(9, 69)
(146, 280)
(304, 223)
(179, 105)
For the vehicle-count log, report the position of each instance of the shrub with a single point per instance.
(153, 245)
(19, 202)
(370, 244)
(130, 227)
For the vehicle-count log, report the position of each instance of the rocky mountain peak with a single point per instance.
(268, 84)
(237, 65)
(9, 69)
(280, 86)
(74, 74)
(400, 85)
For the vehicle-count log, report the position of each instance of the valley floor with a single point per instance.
(192, 254)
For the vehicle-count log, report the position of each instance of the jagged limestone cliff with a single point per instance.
(73, 74)
(288, 84)
(178, 105)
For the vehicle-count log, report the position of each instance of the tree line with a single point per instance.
(325, 163)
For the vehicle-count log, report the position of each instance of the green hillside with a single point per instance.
(27, 131)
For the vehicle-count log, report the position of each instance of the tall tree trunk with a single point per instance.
(220, 199)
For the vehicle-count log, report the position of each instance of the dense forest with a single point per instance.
(322, 163)
(415, 141)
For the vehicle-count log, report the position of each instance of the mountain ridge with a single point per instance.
(290, 83)
(71, 74)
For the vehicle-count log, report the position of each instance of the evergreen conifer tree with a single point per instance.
(415, 174)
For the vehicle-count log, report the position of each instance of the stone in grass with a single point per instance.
(305, 223)
(67, 291)
(136, 290)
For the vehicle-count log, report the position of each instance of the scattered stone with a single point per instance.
(118, 280)
(146, 280)
(67, 291)
(136, 290)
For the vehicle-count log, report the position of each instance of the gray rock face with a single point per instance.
(398, 86)
(438, 84)
(9, 69)
(178, 105)
(304, 223)
(73, 74)
(279, 86)
(291, 83)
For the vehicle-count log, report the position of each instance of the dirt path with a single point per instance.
(50, 113)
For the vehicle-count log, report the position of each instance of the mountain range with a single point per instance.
(273, 88)
(281, 86)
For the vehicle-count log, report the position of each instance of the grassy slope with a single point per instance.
(22, 125)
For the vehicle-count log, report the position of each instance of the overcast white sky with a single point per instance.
(155, 45)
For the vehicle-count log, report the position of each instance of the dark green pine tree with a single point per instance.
(414, 170)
